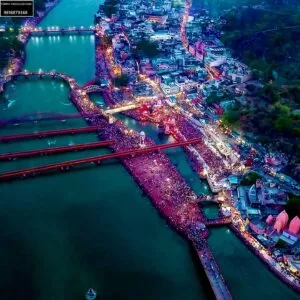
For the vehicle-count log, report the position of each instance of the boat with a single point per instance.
(90, 294)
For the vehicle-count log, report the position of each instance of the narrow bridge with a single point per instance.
(90, 82)
(44, 116)
(214, 274)
(219, 222)
(42, 74)
(53, 116)
(122, 108)
(93, 88)
(55, 30)
(95, 159)
(56, 150)
(49, 133)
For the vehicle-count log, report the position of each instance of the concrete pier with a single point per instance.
(213, 274)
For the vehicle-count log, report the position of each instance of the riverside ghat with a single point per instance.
(161, 181)
(207, 161)
(163, 184)
(154, 172)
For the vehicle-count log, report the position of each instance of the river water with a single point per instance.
(64, 233)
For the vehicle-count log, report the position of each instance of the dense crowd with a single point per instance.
(157, 176)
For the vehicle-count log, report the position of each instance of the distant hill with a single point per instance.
(267, 38)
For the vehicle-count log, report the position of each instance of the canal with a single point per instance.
(64, 233)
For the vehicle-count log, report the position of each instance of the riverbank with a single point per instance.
(173, 198)
(16, 63)
(264, 256)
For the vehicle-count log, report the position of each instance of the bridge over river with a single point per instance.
(95, 160)
(55, 30)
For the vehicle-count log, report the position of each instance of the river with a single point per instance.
(64, 233)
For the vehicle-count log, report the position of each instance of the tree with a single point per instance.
(284, 123)
(147, 48)
(293, 206)
(110, 7)
(250, 178)
(231, 117)
(39, 5)
(281, 244)
(272, 92)
(109, 10)
(121, 81)
(213, 98)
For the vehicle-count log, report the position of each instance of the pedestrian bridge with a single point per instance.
(66, 165)
(55, 30)
(40, 74)
(122, 108)
(93, 88)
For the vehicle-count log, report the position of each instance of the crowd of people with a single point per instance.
(215, 163)
(156, 175)
(161, 181)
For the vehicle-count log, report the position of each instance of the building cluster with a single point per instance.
(198, 67)
(262, 205)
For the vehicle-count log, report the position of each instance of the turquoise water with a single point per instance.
(246, 276)
(64, 233)
(211, 211)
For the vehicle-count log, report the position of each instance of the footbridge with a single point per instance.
(41, 74)
(93, 88)
(55, 150)
(213, 274)
(55, 30)
(49, 133)
(122, 108)
(219, 222)
(44, 116)
(94, 160)
(53, 116)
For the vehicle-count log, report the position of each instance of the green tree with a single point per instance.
(121, 81)
(213, 98)
(284, 123)
(250, 178)
(110, 7)
(231, 117)
(272, 92)
(281, 244)
(147, 48)
(293, 206)
(39, 5)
